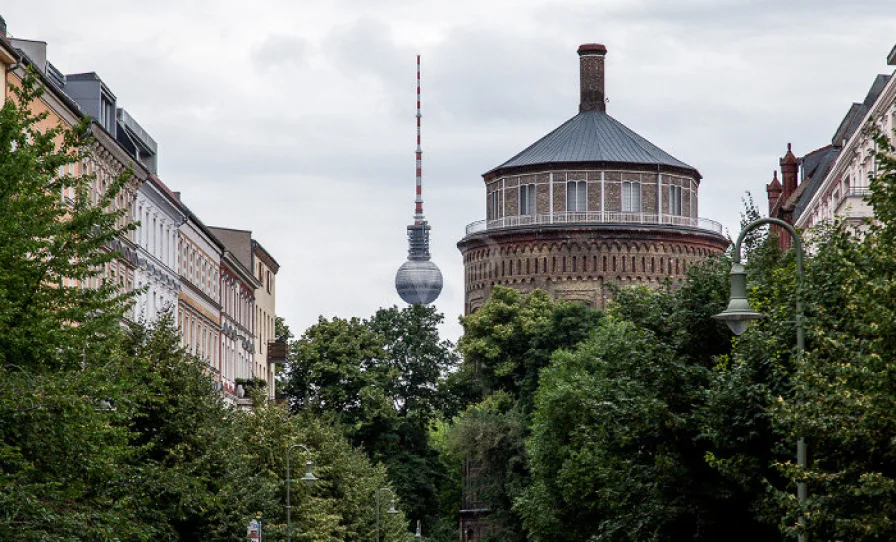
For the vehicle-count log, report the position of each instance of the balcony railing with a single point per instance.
(598, 217)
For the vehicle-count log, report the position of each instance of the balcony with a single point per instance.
(545, 219)
(853, 204)
(278, 352)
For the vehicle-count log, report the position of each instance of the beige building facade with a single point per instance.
(199, 300)
(265, 268)
(107, 158)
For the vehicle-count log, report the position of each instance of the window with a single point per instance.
(577, 196)
(675, 200)
(527, 199)
(631, 197)
(493, 205)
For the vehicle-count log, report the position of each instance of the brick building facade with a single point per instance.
(591, 203)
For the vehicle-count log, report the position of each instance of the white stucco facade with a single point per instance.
(843, 191)
(157, 236)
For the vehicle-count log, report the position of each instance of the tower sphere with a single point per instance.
(418, 282)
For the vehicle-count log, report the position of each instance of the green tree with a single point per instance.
(60, 455)
(186, 459)
(618, 449)
(380, 379)
(282, 333)
(844, 389)
(47, 321)
(341, 505)
(505, 346)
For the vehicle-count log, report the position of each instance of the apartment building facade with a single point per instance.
(199, 300)
(832, 182)
(266, 364)
(171, 260)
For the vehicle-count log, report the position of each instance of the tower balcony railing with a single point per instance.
(596, 217)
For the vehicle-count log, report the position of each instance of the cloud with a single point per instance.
(280, 51)
(296, 120)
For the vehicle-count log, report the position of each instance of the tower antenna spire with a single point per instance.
(418, 281)
(418, 208)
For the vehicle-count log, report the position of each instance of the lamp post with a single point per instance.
(739, 314)
(391, 510)
(308, 479)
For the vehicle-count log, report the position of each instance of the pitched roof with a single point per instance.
(816, 166)
(593, 136)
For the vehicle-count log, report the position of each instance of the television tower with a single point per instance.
(418, 280)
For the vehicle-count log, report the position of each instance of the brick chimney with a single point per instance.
(790, 166)
(2, 26)
(774, 190)
(591, 77)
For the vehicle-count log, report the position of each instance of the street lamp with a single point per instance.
(308, 479)
(739, 314)
(391, 510)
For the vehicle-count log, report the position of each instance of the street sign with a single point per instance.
(254, 531)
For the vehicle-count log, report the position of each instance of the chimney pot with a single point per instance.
(592, 48)
(591, 77)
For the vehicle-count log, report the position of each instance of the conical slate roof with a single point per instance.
(593, 136)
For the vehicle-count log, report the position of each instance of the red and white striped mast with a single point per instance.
(418, 211)
(418, 281)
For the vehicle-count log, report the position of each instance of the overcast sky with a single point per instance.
(295, 119)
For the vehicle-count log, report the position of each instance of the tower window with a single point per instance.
(675, 200)
(577, 196)
(492, 211)
(631, 197)
(527, 199)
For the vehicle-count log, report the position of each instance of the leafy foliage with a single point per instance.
(50, 248)
(59, 455)
(505, 346)
(111, 435)
(379, 378)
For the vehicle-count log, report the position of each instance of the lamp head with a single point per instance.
(309, 475)
(739, 313)
(392, 509)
